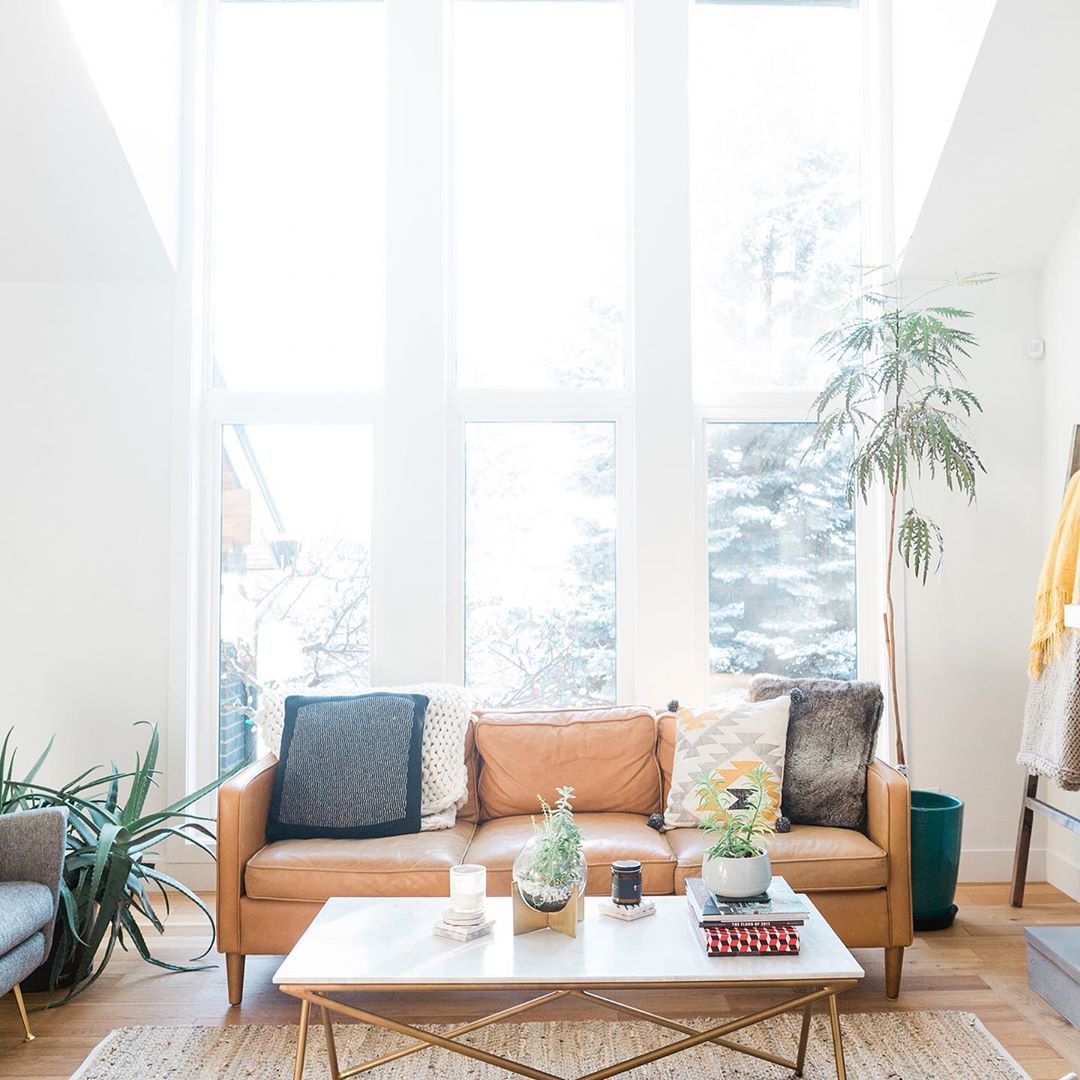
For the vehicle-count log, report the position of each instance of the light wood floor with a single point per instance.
(977, 966)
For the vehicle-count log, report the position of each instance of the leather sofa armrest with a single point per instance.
(888, 824)
(243, 807)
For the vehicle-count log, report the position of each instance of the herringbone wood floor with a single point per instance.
(977, 966)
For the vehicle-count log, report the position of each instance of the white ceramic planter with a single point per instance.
(736, 879)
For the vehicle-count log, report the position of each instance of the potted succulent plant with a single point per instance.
(551, 866)
(737, 865)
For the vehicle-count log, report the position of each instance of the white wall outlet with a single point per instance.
(1036, 348)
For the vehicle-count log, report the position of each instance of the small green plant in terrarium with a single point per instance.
(552, 864)
(740, 821)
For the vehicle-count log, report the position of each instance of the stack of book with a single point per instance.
(759, 926)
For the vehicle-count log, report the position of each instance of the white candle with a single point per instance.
(468, 888)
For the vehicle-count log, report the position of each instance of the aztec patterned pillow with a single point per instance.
(726, 741)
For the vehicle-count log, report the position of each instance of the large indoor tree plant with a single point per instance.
(898, 392)
(111, 864)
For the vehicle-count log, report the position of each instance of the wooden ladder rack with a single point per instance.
(1031, 804)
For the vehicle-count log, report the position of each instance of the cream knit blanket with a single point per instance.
(1050, 744)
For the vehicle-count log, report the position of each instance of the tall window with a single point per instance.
(775, 227)
(776, 250)
(432, 299)
(540, 570)
(540, 175)
(297, 298)
(781, 541)
(298, 208)
(540, 285)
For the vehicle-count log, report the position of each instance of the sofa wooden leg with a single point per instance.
(234, 971)
(894, 966)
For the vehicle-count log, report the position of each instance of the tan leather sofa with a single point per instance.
(619, 762)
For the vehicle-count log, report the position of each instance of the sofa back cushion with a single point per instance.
(608, 756)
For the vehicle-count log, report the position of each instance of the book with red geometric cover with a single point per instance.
(749, 940)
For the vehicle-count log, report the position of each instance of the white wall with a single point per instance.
(1009, 170)
(84, 505)
(967, 629)
(70, 207)
(934, 46)
(1061, 287)
(140, 90)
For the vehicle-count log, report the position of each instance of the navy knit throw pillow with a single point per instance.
(349, 767)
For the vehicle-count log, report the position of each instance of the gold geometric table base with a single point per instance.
(692, 1037)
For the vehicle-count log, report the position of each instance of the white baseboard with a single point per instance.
(197, 874)
(1063, 873)
(995, 864)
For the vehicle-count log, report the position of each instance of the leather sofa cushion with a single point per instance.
(811, 857)
(606, 755)
(607, 837)
(417, 864)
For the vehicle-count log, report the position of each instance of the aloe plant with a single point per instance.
(110, 864)
(13, 793)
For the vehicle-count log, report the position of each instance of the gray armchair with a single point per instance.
(31, 862)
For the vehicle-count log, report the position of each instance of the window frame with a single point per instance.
(418, 601)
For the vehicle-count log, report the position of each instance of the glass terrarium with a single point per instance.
(550, 868)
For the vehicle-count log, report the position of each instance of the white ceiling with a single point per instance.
(1009, 173)
(70, 207)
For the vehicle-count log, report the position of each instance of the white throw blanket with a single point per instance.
(1050, 744)
(444, 777)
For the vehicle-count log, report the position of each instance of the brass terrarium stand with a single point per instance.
(527, 918)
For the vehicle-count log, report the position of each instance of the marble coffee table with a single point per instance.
(386, 944)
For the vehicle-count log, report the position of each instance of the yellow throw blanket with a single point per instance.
(1058, 584)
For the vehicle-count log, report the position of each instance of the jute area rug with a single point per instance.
(878, 1046)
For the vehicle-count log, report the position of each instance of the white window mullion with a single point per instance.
(410, 541)
(668, 635)
(234, 407)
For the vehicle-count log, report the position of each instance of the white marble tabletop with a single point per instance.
(387, 941)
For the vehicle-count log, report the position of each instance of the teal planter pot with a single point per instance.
(937, 824)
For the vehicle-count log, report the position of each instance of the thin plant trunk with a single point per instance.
(890, 634)
(890, 607)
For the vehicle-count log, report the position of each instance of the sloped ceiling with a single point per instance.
(934, 46)
(70, 206)
(1009, 172)
(132, 50)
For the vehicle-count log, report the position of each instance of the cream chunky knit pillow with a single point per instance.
(444, 778)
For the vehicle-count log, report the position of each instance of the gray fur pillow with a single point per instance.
(832, 733)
